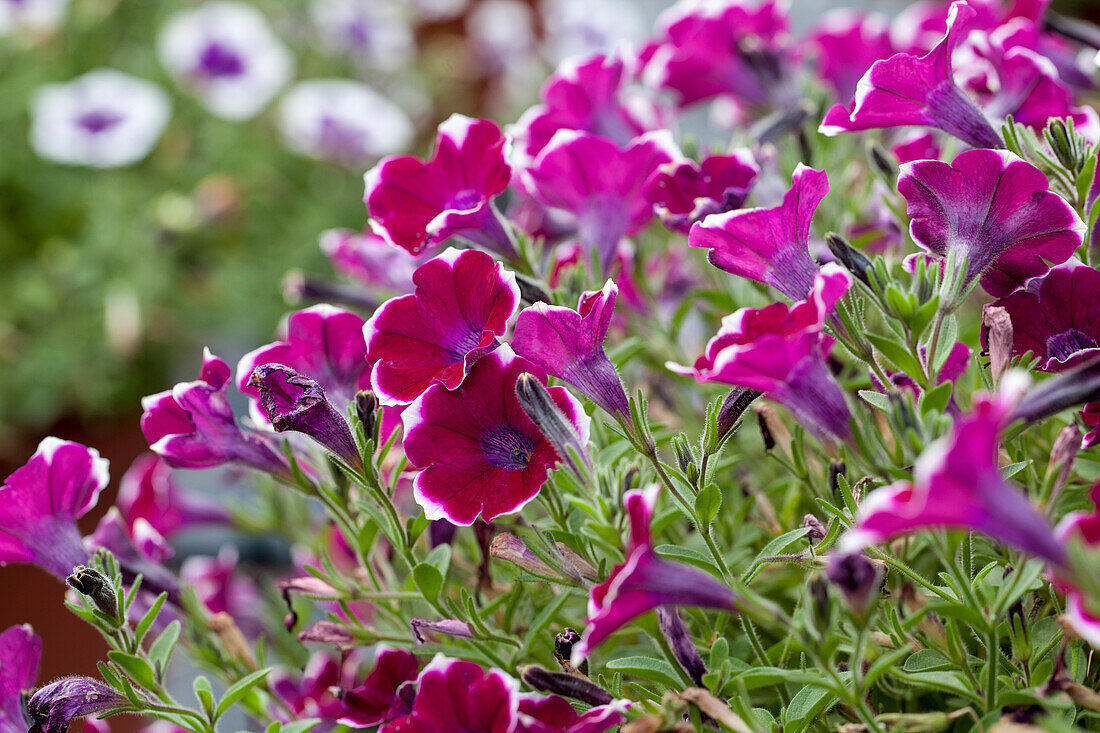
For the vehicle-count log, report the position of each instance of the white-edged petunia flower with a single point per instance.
(226, 53)
(103, 119)
(342, 121)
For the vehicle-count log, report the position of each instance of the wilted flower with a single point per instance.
(376, 700)
(780, 350)
(957, 484)
(452, 627)
(103, 119)
(41, 501)
(1054, 317)
(455, 695)
(993, 209)
(192, 425)
(606, 207)
(568, 344)
(373, 30)
(415, 203)
(148, 491)
(462, 303)
(645, 581)
(478, 451)
(52, 707)
(909, 90)
(21, 649)
(227, 55)
(768, 245)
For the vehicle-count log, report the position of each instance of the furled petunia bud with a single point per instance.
(558, 430)
(366, 409)
(296, 402)
(679, 640)
(853, 260)
(55, 705)
(858, 578)
(733, 407)
(566, 685)
(1069, 389)
(93, 584)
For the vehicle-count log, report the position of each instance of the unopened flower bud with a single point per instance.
(681, 644)
(299, 287)
(817, 529)
(366, 409)
(1068, 389)
(566, 685)
(733, 407)
(531, 291)
(512, 549)
(685, 458)
(886, 163)
(858, 578)
(853, 260)
(448, 627)
(997, 329)
(52, 707)
(97, 587)
(550, 420)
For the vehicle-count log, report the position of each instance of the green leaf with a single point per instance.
(440, 557)
(875, 399)
(708, 502)
(884, 664)
(949, 333)
(688, 556)
(161, 649)
(923, 316)
(927, 660)
(936, 399)
(1013, 468)
(655, 670)
(275, 727)
(204, 694)
(807, 704)
(896, 353)
(239, 690)
(150, 616)
(428, 579)
(719, 653)
(301, 726)
(136, 667)
(761, 677)
(775, 547)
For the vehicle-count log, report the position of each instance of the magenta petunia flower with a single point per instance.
(148, 491)
(554, 714)
(21, 650)
(957, 484)
(1054, 317)
(734, 48)
(370, 260)
(909, 90)
(222, 587)
(780, 350)
(645, 581)
(1090, 415)
(568, 344)
(1083, 527)
(478, 451)
(192, 425)
(462, 303)
(848, 43)
(921, 146)
(768, 245)
(600, 184)
(684, 192)
(414, 204)
(140, 551)
(457, 696)
(589, 95)
(323, 343)
(995, 210)
(315, 693)
(41, 501)
(376, 699)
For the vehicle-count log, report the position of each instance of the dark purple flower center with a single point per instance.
(464, 200)
(1062, 346)
(507, 446)
(98, 120)
(217, 60)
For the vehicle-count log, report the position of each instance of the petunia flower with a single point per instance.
(342, 121)
(462, 302)
(314, 693)
(103, 119)
(780, 350)
(601, 185)
(376, 699)
(848, 42)
(590, 95)
(457, 696)
(684, 192)
(736, 49)
(148, 491)
(768, 245)
(297, 403)
(645, 581)
(909, 90)
(377, 33)
(993, 209)
(41, 501)
(478, 451)
(920, 146)
(35, 16)
(222, 586)
(568, 344)
(553, 714)
(140, 551)
(501, 35)
(957, 484)
(1054, 317)
(370, 260)
(53, 707)
(226, 54)
(323, 343)
(1090, 415)
(578, 28)
(21, 650)
(415, 203)
(1082, 527)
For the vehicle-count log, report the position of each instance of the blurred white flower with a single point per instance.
(34, 15)
(374, 30)
(227, 55)
(103, 119)
(584, 27)
(342, 121)
(502, 31)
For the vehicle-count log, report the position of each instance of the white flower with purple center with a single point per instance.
(582, 28)
(342, 121)
(376, 31)
(41, 16)
(104, 119)
(227, 55)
